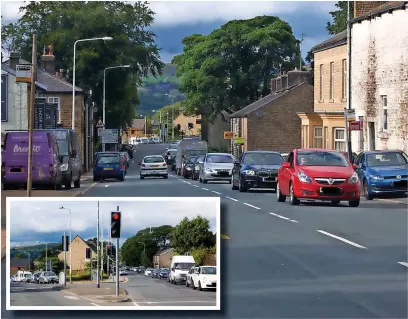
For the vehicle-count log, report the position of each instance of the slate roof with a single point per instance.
(138, 124)
(19, 262)
(335, 41)
(385, 8)
(47, 82)
(264, 101)
(163, 251)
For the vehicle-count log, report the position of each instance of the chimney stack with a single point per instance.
(48, 60)
(296, 77)
(361, 8)
(14, 60)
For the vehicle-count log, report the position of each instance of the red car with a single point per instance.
(318, 174)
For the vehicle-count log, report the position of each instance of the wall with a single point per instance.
(336, 55)
(17, 105)
(265, 133)
(165, 259)
(380, 67)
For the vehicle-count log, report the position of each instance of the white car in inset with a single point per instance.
(148, 272)
(204, 277)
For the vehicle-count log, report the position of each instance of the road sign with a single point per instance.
(239, 141)
(355, 126)
(99, 124)
(228, 135)
(23, 73)
(110, 136)
(350, 114)
(100, 131)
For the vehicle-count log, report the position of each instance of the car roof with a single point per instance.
(383, 151)
(315, 150)
(265, 152)
(219, 154)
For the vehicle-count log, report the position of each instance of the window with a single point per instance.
(340, 139)
(384, 103)
(318, 137)
(326, 138)
(56, 100)
(344, 93)
(331, 80)
(321, 83)
(305, 136)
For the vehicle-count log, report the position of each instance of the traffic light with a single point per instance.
(65, 243)
(88, 253)
(110, 250)
(115, 224)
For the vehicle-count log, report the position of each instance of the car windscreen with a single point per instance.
(153, 159)
(49, 273)
(263, 159)
(199, 159)
(387, 159)
(321, 158)
(219, 158)
(195, 152)
(113, 159)
(172, 152)
(183, 266)
(209, 270)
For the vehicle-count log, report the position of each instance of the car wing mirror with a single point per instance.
(355, 166)
(286, 165)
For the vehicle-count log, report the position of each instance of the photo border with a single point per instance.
(217, 202)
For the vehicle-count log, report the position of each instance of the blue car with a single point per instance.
(256, 169)
(109, 165)
(382, 173)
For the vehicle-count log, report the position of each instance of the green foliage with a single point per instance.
(192, 234)
(231, 68)
(339, 17)
(61, 23)
(57, 265)
(199, 254)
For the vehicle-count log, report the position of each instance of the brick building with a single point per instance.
(17, 264)
(79, 246)
(325, 126)
(190, 125)
(272, 123)
(162, 259)
(379, 77)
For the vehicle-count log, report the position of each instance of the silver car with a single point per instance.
(48, 277)
(216, 167)
(153, 166)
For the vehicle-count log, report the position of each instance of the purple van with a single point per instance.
(46, 160)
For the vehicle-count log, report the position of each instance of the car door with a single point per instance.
(286, 174)
(195, 276)
(236, 171)
(203, 165)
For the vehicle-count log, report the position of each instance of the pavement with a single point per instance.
(283, 261)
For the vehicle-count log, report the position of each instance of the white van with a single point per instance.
(23, 276)
(180, 266)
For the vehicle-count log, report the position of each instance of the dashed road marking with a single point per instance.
(283, 217)
(136, 304)
(251, 205)
(216, 192)
(206, 189)
(188, 183)
(196, 186)
(178, 302)
(94, 304)
(341, 239)
(235, 200)
(403, 263)
(106, 185)
(71, 297)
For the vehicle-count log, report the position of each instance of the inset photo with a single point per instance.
(113, 253)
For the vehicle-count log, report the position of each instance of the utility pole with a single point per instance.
(31, 114)
(172, 122)
(300, 51)
(102, 254)
(97, 251)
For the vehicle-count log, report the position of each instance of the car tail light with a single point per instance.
(164, 164)
(51, 169)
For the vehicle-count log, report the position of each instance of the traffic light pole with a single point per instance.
(117, 264)
(65, 260)
(97, 251)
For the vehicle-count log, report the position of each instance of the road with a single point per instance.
(280, 261)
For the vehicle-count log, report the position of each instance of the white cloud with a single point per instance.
(32, 221)
(10, 9)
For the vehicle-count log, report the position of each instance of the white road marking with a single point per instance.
(196, 186)
(341, 239)
(206, 189)
(283, 217)
(178, 302)
(71, 297)
(216, 192)
(251, 205)
(136, 304)
(235, 200)
(391, 201)
(94, 304)
(403, 263)
(106, 185)
(188, 183)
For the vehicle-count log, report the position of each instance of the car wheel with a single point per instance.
(141, 177)
(166, 176)
(58, 187)
(242, 188)
(367, 194)
(68, 184)
(293, 200)
(335, 202)
(77, 183)
(199, 286)
(205, 181)
(354, 203)
(279, 196)
(233, 187)
(95, 179)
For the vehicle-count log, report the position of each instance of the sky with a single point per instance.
(42, 221)
(176, 19)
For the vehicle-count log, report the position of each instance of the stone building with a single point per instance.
(162, 259)
(79, 260)
(379, 77)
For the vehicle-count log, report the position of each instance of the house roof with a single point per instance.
(19, 262)
(335, 41)
(264, 101)
(138, 124)
(46, 81)
(385, 8)
(164, 251)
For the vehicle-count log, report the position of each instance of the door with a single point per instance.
(371, 136)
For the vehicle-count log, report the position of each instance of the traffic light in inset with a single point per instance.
(88, 253)
(115, 224)
(65, 243)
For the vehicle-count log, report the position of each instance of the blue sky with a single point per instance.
(176, 19)
(43, 221)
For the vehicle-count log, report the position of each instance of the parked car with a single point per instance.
(170, 155)
(47, 160)
(383, 173)
(148, 272)
(123, 272)
(155, 273)
(164, 273)
(180, 266)
(48, 277)
(153, 166)
(216, 167)
(188, 166)
(256, 169)
(196, 167)
(109, 165)
(189, 280)
(318, 174)
(204, 277)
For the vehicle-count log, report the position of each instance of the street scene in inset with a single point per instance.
(135, 253)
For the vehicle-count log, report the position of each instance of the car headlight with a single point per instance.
(197, 167)
(209, 170)
(249, 172)
(376, 178)
(353, 178)
(188, 168)
(304, 178)
(64, 167)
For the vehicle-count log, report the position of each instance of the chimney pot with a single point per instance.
(14, 60)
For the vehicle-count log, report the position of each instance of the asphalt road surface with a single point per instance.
(280, 261)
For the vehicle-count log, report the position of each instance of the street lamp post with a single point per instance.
(160, 125)
(167, 124)
(46, 259)
(104, 92)
(70, 242)
(73, 73)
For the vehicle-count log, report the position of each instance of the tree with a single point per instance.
(192, 234)
(231, 68)
(339, 16)
(61, 23)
